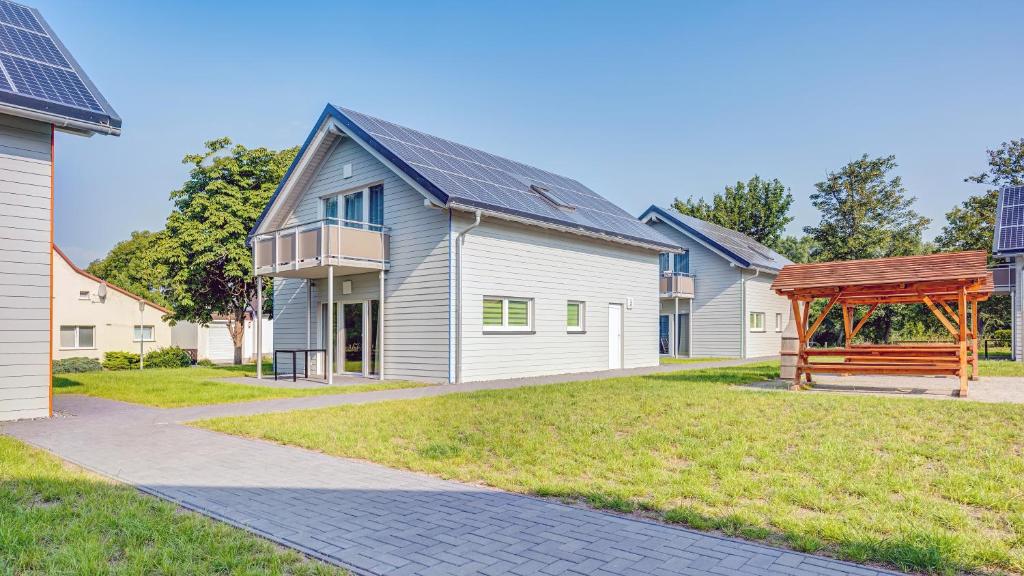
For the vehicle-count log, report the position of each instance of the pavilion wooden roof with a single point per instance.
(898, 279)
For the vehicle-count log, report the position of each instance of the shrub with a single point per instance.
(206, 363)
(1005, 335)
(76, 364)
(121, 361)
(170, 357)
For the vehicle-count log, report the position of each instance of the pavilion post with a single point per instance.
(800, 319)
(847, 326)
(962, 305)
(974, 340)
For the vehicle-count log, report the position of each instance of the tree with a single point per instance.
(1005, 165)
(208, 263)
(758, 208)
(134, 265)
(971, 225)
(865, 213)
(796, 249)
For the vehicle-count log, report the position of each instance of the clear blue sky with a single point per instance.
(640, 101)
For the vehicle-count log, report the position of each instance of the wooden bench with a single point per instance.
(911, 360)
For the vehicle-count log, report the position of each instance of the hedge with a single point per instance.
(170, 357)
(121, 361)
(76, 364)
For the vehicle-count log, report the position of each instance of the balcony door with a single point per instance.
(362, 208)
(356, 336)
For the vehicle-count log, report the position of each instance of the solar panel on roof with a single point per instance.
(1010, 220)
(37, 72)
(479, 179)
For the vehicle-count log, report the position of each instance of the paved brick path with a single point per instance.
(377, 520)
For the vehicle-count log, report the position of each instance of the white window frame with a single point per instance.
(142, 333)
(341, 202)
(778, 321)
(78, 345)
(505, 328)
(84, 295)
(752, 324)
(583, 317)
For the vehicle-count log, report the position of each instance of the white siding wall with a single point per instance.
(24, 268)
(761, 298)
(717, 314)
(503, 259)
(416, 309)
(1018, 311)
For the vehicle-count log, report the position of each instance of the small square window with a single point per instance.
(778, 322)
(143, 334)
(83, 294)
(575, 314)
(757, 321)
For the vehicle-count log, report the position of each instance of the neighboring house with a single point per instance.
(716, 297)
(1008, 244)
(480, 267)
(92, 316)
(42, 89)
(214, 342)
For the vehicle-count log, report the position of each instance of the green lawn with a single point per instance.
(1001, 368)
(669, 360)
(916, 484)
(59, 520)
(176, 387)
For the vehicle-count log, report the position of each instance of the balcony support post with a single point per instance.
(330, 326)
(380, 329)
(675, 329)
(259, 327)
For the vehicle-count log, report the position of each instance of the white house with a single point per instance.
(716, 297)
(407, 255)
(92, 316)
(1008, 244)
(30, 112)
(213, 342)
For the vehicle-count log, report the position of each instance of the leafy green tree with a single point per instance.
(758, 208)
(971, 225)
(1005, 166)
(208, 263)
(865, 213)
(797, 249)
(134, 265)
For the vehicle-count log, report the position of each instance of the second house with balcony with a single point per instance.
(715, 289)
(397, 254)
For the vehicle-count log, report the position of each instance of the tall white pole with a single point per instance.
(380, 329)
(142, 333)
(330, 325)
(675, 329)
(259, 327)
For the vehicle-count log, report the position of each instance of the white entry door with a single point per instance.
(614, 336)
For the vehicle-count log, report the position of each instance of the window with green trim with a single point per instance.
(507, 314)
(574, 316)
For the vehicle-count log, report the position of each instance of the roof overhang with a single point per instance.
(654, 213)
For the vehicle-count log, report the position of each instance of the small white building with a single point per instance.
(1008, 244)
(92, 316)
(411, 256)
(213, 342)
(31, 111)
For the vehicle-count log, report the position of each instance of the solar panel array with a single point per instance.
(34, 65)
(740, 244)
(1010, 220)
(476, 178)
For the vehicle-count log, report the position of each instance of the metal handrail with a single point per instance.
(377, 227)
(669, 274)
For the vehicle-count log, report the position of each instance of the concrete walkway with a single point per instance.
(377, 520)
(987, 389)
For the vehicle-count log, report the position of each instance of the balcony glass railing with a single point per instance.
(677, 284)
(319, 243)
(1004, 278)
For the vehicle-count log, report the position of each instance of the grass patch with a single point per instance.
(1001, 368)
(58, 520)
(670, 360)
(196, 386)
(916, 484)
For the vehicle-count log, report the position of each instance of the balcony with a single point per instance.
(1004, 278)
(676, 285)
(306, 250)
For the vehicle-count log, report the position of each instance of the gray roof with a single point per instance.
(461, 176)
(735, 246)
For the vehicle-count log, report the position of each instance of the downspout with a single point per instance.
(743, 310)
(459, 241)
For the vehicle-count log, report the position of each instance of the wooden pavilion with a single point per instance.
(950, 285)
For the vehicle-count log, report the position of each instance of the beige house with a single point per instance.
(92, 316)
